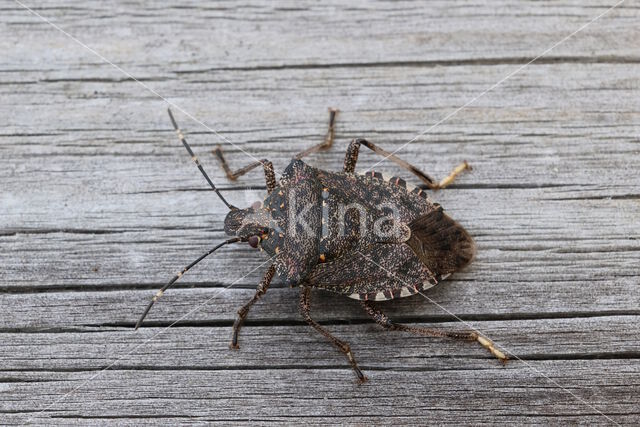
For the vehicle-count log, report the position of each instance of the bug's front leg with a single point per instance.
(269, 173)
(386, 323)
(244, 310)
(305, 305)
(352, 157)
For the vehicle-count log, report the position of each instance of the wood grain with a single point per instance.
(99, 205)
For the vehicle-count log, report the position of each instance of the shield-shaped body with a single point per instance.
(365, 236)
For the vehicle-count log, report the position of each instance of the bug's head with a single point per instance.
(249, 224)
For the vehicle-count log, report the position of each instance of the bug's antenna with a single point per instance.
(196, 160)
(179, 275)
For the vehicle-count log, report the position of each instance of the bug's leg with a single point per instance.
(328, 139)
(244, 310)
(386, 323)
(269, 173)
(305, 295)
(352, 157)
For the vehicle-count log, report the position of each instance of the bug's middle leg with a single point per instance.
(244, 310)
(352, 157)
(386, 323)
(344, 347)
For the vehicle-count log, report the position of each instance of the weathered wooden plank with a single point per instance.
(331, 396)
(470, 300)
(544, 109)
(250, 34)
(299, 346)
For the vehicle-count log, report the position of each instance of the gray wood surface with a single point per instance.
(99, 205)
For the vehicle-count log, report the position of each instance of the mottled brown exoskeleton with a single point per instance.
(365, 236)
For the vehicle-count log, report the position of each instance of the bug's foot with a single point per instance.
(452, 176)
(488, 344)
(233, 345)
(361, 377)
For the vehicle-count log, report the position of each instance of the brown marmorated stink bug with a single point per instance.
(365, 236)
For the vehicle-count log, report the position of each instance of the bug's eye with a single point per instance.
(253, 241)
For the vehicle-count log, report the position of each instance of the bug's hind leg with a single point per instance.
(269, 173)
(352, 157)
(305, 304)
(386, 323)
(244, 310)
(328, 139)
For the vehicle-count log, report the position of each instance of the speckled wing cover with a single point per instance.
(370, 270)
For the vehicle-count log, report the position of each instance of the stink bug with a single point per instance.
(365, 236)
